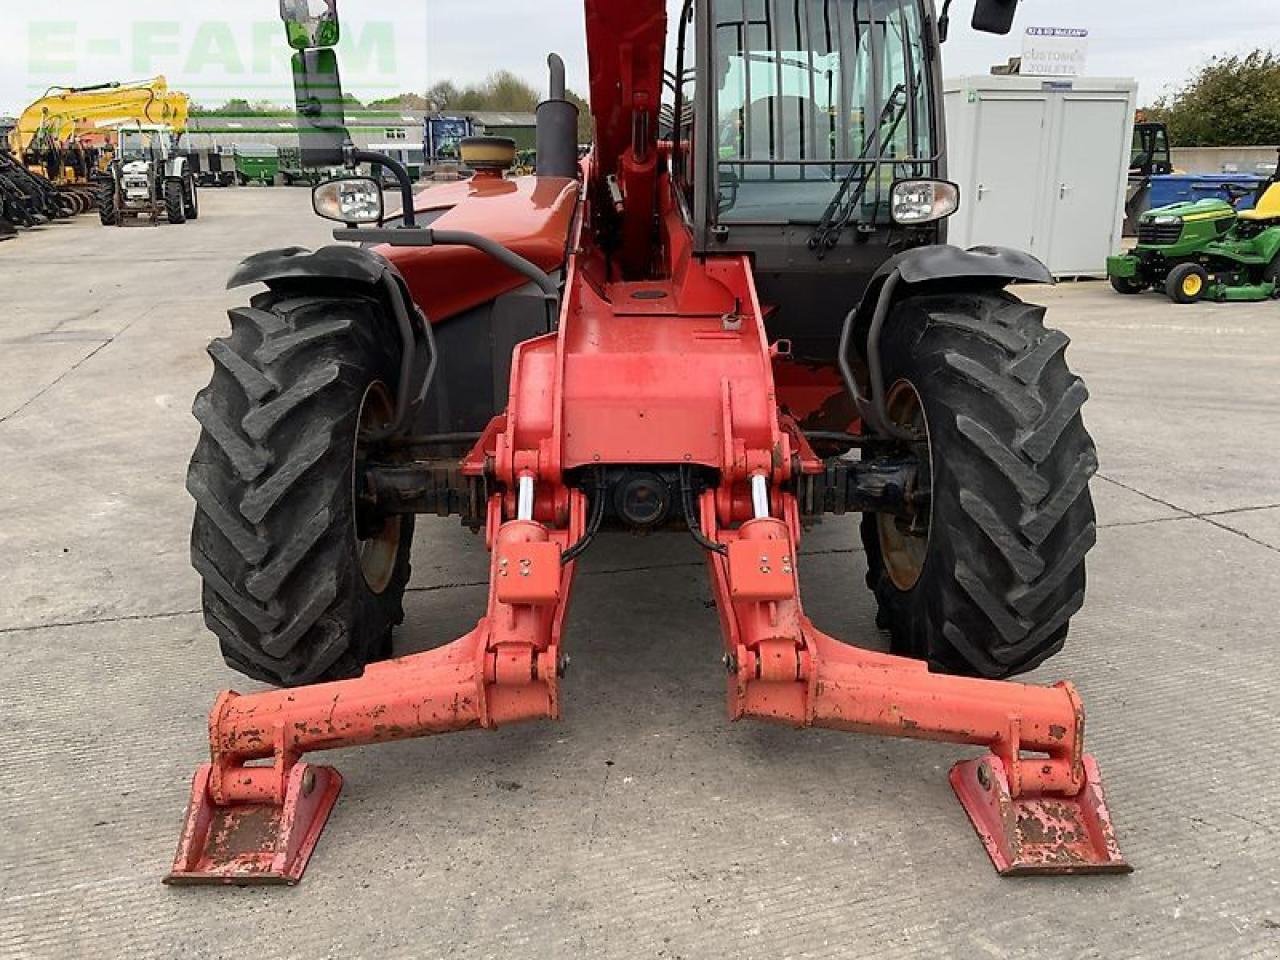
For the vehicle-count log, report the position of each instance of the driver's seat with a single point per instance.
(1267, 207)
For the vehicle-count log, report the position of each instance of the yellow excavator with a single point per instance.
(70, 135)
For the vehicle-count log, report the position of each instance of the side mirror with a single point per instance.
(348, 200)
(994, 16)
(310, 23)
(317, 91)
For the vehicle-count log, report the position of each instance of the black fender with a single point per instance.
(293, 268)
(937, 267)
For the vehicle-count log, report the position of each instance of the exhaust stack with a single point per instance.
(557, 130)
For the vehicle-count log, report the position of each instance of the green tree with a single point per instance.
(403, 101)
(499, 91)
(239, 107)
(443, 94)
(585, 126)
(1229, 101)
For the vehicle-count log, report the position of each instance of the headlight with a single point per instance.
(922, 201)
(349, 200)
(1162, 221)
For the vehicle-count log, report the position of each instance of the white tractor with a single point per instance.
(148, 177)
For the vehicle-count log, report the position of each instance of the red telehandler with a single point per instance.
(736, 314)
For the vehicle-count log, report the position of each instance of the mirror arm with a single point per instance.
(354, 156)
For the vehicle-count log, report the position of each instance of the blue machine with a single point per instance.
(442, 137)
(1169, 188)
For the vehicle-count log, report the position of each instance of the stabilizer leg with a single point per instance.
(1042, 832)
(256, 811)
(1035, 799)
(251, 842)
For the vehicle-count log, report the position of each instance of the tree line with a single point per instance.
(1229, 101)
(500, 92)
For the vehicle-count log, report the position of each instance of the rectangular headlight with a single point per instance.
(348, 200)
(923, 201)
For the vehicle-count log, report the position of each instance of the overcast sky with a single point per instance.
(224, 48)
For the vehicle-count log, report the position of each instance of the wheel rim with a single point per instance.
(1192, 285)
(378, 550)
(903, 549)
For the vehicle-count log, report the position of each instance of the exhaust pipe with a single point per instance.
(556, 67)
(557, 128)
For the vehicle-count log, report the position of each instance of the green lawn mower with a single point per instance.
(1206, 250)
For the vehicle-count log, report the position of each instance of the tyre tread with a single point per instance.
(1011, 471)
(271, 480)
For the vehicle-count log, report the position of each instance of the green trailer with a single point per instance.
(256, 163)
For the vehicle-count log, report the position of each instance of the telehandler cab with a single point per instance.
(730, 333)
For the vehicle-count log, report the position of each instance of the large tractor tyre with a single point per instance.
(108, 211)
(299, 585)
(986, 583)
(174, 207)
(1186, 283)
(190, 199)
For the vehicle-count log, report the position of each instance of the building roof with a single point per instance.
(490, 118)
(206, 123)
(268, 128)
(384, 118)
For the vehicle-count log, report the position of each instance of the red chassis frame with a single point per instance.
(670, 371)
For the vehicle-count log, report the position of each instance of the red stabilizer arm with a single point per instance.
(250, 822)
(1035, 799)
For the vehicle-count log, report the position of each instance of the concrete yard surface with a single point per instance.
(643, 825)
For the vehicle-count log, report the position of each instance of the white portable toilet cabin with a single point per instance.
(1042, 165)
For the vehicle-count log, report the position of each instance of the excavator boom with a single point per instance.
(66, 112)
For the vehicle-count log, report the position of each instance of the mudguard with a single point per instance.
(357, 264)
(942, 265)
(295, 265)
(989, 266)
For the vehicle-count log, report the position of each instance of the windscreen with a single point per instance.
(1150, 146)
(137, 144)
(809, 91)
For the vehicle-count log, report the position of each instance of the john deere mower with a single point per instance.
(1206, 250)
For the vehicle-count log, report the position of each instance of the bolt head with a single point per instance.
(308, 782)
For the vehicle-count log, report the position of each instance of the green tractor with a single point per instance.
(1206, 250)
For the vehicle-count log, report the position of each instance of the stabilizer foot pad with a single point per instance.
(254, 843)
(1038, 834)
